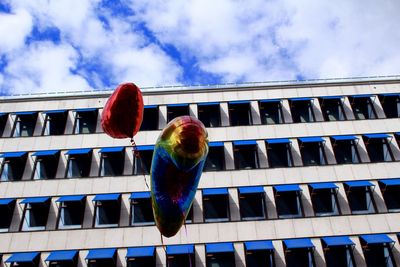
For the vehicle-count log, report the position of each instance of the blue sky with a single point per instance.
(74, 45)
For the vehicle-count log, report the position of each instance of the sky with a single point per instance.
(79, 45)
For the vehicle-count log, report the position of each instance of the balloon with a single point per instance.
(123, 112)
(178, 160)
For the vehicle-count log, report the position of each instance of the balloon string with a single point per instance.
(139, 159)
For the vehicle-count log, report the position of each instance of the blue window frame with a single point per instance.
(177, 110)
(107, 210)
(150, 118)
(141, 210)
(390, 104)
(24, 124)
(141, 256)
(288, 201)
(216, 205)
(7, 206)
(252, 203)
(85, 120)
(79, 162)
(302, 109)
(112, 161)
(71, 211)
(324, 199)
(377, 249)
(240, 113)
(312, 150)
(259, 253)
(338, 251)
(180, 255)
(271, 111)
(332, 108)
(103, 257)
(13, 165)
(391, 191)
(220, 254)
(299, 252)
(46, 163)
(209, 114)
(54, 122)
(35, 214)
(378, 147)
(360, 197)
(363, 106)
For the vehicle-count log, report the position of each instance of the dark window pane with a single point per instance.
(378, 149)
(86, 122)
(177, 111)
(215, 159)
(181, 260)
(142, 165)
(240, 114)
(55, 124)
(299, 257)
(252, 206)
(38, 213)
(150, 119)
(25, 125)
(108, 212)
(279, 155)
(338, 256)
(62, 264)
(324, 202)
(216, 208)
(13, 169)
(3, 122)
(210, 115)
(142, 211)
(46, 167)
(302, 111)
(260, 258)
(246, 157)
(142, 262)
(271, 112)
(221, 260)
(312, 154)
(6, 212)
(112, 164)
(288, 204)
(72, 213)
(360, 200)
(391, 195)
(391, 106)
(332, 109)
(102, 263)
(378, 255)
(345, 151)
(79, 165)
(362, 108)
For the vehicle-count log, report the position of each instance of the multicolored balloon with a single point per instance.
(178, 160)
(123, 113)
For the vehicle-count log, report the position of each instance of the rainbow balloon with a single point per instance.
(178, 160)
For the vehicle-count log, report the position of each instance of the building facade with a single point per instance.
(298, 174)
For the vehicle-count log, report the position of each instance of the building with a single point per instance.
(298, 174)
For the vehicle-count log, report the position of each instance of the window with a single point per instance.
(246, 155)
(13, 166)
(3, 122)
(312, 151)
(271, 111)
(150, 118)
(363, 107)
(141, 256)
(378, 147)
(216, 157)
(302, 109)
(209, 114)
(299, 252)
(240, 113)
(63, 258)
(79, 161)
(71, 211)
(103, 257)
(112, 161)
(54, 122)
(24, 259)
(377, 250)
(45, 166)
(279, 153)
(85, 121)
(7, 206)
(177, 110)
(332, 108)
(324, 199)
(180, 255)
(252, 202)
(220, 254)
(107, 210)
(142, 164)
(141, 210)
(25, 123)
(288, 201)
(391, 105)
(216, 205)
(391, 191)
(345, 148)
(36, 211)
(359, 195)
(338, 251)
(259, 253)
